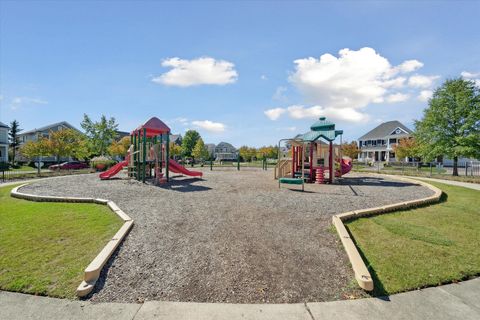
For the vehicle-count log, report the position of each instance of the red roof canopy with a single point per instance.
(154, 127)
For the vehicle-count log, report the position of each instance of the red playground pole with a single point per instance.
(330, 162)
(311, 161)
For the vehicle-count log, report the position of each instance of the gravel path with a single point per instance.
(232, 237)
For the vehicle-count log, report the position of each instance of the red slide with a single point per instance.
(346, 167)
(113, 170)
(178, 168)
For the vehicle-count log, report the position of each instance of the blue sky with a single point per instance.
(235, 71)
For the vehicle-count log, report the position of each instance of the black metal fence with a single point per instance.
(7, 175)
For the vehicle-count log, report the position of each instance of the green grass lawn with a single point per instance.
(425, 246)
(45, 247)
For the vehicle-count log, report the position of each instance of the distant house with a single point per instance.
(211, 149)
(176, 138)
(3, 142)
(377, 144)
(44, 132)
(121, 134)
(225, 151)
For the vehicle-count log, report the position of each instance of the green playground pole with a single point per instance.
(167, 156)
(134, 137)
(161, 152)
(144, 164)
(211, 165)
(238, 162)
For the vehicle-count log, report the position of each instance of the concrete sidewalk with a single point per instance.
(453, 301)
(474, 186)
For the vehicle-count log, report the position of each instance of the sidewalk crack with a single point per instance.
(309, 312)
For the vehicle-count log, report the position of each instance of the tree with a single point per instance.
(175, 149)
(100, 134)
(451, 124)
(200, 151)
(269, 152)
(189, 142)
(32, 149)
(247, 153)
(351, 149)
(68, 143)
(120, 148)
(13, 137)
(406, 148)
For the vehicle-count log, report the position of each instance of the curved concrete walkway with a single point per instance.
(453, 301)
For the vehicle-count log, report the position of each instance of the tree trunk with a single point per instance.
(455, 166)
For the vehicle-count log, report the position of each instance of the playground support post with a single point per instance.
(167, 156)
(144, 152)
(238, 162)
(211, 165)
(330, 162)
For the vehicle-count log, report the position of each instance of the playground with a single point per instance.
(232, 236)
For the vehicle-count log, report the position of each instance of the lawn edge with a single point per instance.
(362, 275)
(92, 271)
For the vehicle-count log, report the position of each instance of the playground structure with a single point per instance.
(148, 156)
(314, 157)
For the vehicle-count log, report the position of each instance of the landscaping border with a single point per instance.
(362, 275)
(92, 272)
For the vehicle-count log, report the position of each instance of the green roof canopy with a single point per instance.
(321, 129)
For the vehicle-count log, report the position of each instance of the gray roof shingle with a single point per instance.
(384, 129)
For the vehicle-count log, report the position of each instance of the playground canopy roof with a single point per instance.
(321, 129)
(154, 127)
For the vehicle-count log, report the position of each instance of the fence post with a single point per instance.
(211, 165)
(238, 163)
(466, 168)
(430, 169)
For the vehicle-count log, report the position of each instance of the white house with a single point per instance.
(3, 142)
(225, 151)
(377, 144)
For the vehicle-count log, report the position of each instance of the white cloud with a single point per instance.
(344, 85)
(314, 112)
(209, 126)
(472, 76)
(409, 66)
(425, 95)
(420, 81)
(18, 102)
(263, 77)
(279, 94)
(275, 113)
(198, 71)
(397, 97)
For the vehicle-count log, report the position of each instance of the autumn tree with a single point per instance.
(351, 149)
(406, 148)
(200, 151)
(68, 143)
(450, 125)
(119, 148)
(175, 149)
(247, 153)
(33, 149)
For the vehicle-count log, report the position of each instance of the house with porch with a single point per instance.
(378, 143)
(3, 142)
(225, 151)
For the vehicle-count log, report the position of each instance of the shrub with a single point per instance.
(101, 163)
